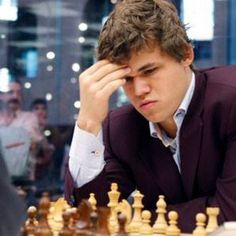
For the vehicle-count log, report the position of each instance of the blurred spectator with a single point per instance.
(44, 154)
(60, 137)
(50, 157)
(40, 108)
(19, 135)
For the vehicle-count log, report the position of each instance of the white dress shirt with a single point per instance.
(86, 156)
(87, 150)
(27, 120)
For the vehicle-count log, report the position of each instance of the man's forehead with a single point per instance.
(40, 106)
(14, 86)
(144, 60)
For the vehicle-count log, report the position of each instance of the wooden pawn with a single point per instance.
(200, 225)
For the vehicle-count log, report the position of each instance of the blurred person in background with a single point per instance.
(20, 137)
(50, 157)
(40, 109)
(44, 154)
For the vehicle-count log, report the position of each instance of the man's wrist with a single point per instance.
(89, 126)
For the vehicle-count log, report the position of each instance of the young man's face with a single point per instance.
(157, 83)
(41, 112)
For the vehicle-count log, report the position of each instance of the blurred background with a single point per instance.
(46, 44)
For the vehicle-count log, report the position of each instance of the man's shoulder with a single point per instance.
(26, 117)
(218, 90)
(231, 69)
(222, 75)
(27, 114)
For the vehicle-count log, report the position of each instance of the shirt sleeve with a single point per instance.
(86, 156)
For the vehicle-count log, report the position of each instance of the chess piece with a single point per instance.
(113, 203)
(56, 210)
(46, 195)
(65, 231)
(31, 222)
(74, 218)
(172, 229)
(103, 216)
(23, 231)
(200, 225)
(94, 222)
(83, 223)
(122, 223)
(125, 208)
(43, 229)
(160, 224)
(146, 228)
(136, 221)
(93, 201)
(212, 213)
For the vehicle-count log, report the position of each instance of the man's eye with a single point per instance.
(149, 71)
(128, 78)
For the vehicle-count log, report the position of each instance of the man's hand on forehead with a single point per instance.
(97, 84)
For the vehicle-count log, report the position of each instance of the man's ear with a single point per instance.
(189, 56)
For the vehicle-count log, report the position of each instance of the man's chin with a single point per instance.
(151, 117)
(13, 104)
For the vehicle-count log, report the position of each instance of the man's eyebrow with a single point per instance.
(146, 66)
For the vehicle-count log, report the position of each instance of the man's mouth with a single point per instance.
(147, 104)
(13, 100)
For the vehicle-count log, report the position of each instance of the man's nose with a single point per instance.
(15, 95)
(141, 86)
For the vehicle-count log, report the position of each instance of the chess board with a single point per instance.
(118, 218)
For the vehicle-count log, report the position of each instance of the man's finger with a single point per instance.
(92, 69)
(105, 70)
(116, 75)
(111, 87)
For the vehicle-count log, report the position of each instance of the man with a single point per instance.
(19, 135)
(44, 154)
(40, 109)
(49, 164)
(178, 136)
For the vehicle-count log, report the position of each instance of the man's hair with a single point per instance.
(17, 81)
(136, 24)
(38, 101)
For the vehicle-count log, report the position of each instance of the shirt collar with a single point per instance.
(187, 97)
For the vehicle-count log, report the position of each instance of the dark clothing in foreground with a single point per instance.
(12, 212)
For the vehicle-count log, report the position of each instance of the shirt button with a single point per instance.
(97, 153)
